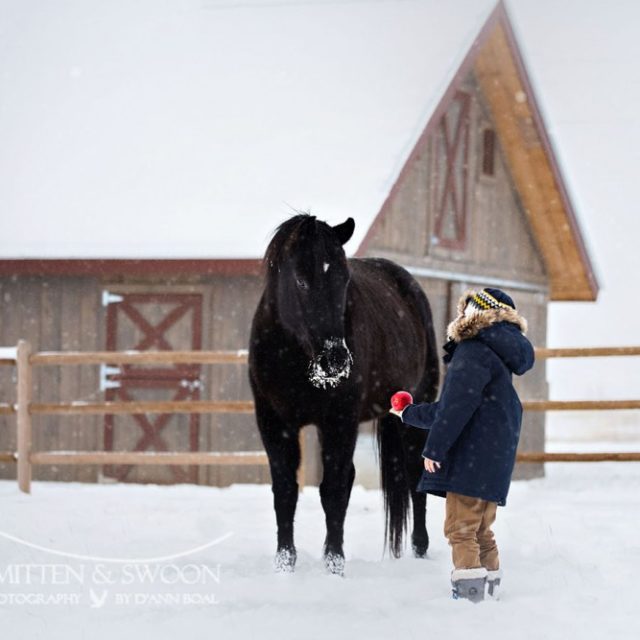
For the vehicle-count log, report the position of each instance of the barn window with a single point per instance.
(488, 152)
(451, 174)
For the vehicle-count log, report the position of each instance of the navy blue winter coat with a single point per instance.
(475, 425)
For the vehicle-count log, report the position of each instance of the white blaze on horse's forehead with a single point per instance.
(325, 267)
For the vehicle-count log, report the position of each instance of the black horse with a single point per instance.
(332, 339)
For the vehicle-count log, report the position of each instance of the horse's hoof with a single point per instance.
(334, 563)
(285, 561)
(420, 547)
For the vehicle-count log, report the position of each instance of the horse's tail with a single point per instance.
(394, 454)
(393, 480)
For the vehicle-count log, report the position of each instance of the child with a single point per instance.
(473, 432)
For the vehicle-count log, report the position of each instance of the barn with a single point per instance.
(148, 157)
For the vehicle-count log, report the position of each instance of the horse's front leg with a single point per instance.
(338, 439)
(413, 442)
(283, 450)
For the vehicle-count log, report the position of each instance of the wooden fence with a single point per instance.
(25, 408)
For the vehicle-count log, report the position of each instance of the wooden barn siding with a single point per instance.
(53, 314)
(233, 302)
(499, 241)
(499, 244)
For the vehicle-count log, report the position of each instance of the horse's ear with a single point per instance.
(344, 231)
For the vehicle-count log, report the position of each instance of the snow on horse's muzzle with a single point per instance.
(331, 365)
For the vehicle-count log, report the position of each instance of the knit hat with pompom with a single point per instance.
(490, 298)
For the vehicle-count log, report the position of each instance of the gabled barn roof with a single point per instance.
(498, 65)
(188, 130)
(533, 165)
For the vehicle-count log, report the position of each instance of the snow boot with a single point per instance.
(493, 584)
(469, 584)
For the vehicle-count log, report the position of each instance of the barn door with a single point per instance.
(152, 321)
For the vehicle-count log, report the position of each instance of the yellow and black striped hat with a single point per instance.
(490, 299)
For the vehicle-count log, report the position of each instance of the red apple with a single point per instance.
(400, 400)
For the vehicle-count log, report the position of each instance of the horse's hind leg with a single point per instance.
(283, 450)
(413, 442)
(338, 443)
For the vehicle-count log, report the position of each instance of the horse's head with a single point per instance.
(307, 278)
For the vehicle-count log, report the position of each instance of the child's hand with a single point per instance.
(431, 465)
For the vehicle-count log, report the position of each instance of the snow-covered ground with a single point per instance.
(569, 545)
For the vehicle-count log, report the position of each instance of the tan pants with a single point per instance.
(467, 526)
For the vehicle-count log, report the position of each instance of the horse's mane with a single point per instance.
(300, 227)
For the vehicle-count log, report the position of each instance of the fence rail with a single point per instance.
(24, 409)
(534, 456)
(7, 409)
(138, 357)
(125, 457)
(138, 407)
(586, 352)
(580, 405)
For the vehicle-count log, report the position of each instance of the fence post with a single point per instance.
(23, 367)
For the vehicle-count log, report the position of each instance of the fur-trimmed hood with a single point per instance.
(502, 330)
(465, 327)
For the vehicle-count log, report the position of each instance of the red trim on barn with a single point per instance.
(454, 182)
(147, 267)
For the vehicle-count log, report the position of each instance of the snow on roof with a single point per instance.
(191, 128)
